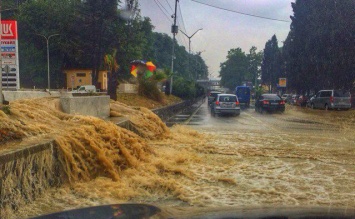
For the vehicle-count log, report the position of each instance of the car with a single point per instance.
(293, 99)
(243, 94)
(331, 99)
(212, 96)
(225, 104)
(269, 102)
(85, 89)
(285, 97)
(302, 100)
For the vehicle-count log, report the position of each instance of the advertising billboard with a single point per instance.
(9, 55)
(282, 82)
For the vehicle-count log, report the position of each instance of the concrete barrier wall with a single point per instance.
(127, 88)
(98, 106)
(167, 112)
(26, 172)
(18, 95)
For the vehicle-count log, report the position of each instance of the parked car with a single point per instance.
(302, 100)
(269, 102)
(225, 104)
(294, 99)
(331, 99)
(212, 96)
(85, 89)
(243, 94)
(285, 97)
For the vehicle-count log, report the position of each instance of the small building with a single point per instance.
(78, 77)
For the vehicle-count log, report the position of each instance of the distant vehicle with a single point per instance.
(212, 96)
(285, 97)
(225, 104)
(269, 102)
(302, 100)
(243, 94)
(331, 99)
(294, 99)
(86, 89)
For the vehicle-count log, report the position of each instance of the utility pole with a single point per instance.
(47, 40)
(190, 47)
(174, 30)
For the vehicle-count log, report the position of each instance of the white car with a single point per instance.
(225, 104)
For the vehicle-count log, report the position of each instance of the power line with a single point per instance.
(162, 6)
(238, 12)
(182, 18)
(162, 11)
(169, 5)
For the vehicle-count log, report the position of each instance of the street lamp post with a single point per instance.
(190, 46)
(47, 40)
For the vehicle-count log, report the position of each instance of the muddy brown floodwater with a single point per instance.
(300, 158)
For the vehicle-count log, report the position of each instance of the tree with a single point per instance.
(254, 68)
(318, 51)
(112, 67)
(235, 69)
(271, 65)
(96, 19)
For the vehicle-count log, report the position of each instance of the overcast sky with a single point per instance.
(222, 30)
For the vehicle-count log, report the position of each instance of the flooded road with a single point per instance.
(302, 157)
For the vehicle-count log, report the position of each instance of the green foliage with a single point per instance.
(235, 70)
(159, 75)
(6, 109)
(149, 89)
(183, 88)
(319, 50)
(271, 64)
(88, 31)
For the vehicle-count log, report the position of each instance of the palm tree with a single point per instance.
(112, 67)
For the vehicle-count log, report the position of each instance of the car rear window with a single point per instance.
(271, 97)
(227, 99)
(339, 93)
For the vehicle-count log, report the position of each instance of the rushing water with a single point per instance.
(301, 158)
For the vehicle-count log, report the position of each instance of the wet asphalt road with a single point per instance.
(200, 118)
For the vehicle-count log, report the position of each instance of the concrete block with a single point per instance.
(98, 106)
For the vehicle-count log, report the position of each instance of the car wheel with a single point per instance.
(326, 107)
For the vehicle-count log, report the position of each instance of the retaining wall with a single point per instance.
(98, 106)
(25, 172)
(18, 95)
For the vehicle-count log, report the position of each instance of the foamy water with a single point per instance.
(271, 162)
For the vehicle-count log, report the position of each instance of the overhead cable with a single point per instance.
(238, 12)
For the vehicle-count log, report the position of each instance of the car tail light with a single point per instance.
(331, 99)
(237, 103)
(217, 103)
(265, 102)
(282, 102)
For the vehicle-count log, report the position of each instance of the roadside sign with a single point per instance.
(282, 82)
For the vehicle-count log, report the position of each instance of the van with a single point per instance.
(86, 89)
(243, 94)
(331, 99)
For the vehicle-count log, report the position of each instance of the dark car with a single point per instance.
(212, 96)
(302, 100)
(270, 103)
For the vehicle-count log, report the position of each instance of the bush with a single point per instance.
(6, 109)
(183, 88)
(148, 87)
